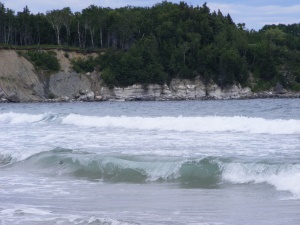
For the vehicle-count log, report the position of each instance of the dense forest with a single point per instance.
(155, 44)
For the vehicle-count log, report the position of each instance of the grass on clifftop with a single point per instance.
(66, 48)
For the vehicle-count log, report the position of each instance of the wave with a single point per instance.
(284, 177)
(31, 215)
(193, 124)
(21, 118)
(5, 160)
(181, 124)
(122, 168)
(206, 172)
(15, 118)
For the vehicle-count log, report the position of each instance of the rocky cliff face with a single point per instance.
(176, 90)
(20, 82)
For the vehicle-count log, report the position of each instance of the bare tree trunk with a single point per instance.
(57, 36)
(4, 35)
(68, 34)
(79, 35)
(21, 42)
(92, 32)
(101, 39)
(9, 34)
(84, 38)
(108, 40)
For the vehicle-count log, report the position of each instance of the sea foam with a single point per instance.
(285, 177)
(193, 124)
(15, 118)
(164, 123)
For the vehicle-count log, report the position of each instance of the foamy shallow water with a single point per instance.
(193, 162)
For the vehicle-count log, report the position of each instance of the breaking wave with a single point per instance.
(180, 124)
(206, 172)
(15, 118)
(194, 124)
(284, 177)
(21, 118)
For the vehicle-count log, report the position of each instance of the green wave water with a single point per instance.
(205, 172)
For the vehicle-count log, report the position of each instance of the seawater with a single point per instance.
(189, 162)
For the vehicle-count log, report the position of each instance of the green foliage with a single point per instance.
(51, 95)
(43, 60)
(84, 65)
(109, 77)
(261, 85)
(296, 87)
(139, 65)
(156, 44)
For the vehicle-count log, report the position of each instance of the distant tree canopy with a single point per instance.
(165, 41)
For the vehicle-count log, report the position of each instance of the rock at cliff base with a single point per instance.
(98, 98)
(2, 94)
(89, 96)
(13, 98)
(278, 89)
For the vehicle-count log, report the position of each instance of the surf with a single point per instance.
(201, 172)
(193, 124)
(25, 118)
(201, 124)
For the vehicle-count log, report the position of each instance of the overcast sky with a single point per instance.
(255, 13)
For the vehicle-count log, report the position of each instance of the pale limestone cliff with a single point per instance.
(234, 92)
(177, 90)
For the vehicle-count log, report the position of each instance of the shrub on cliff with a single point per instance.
(43, 60)
(108, 78)
(84, 65)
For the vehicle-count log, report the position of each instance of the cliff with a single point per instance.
(21, 82)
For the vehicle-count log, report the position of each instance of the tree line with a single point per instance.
(155, 44)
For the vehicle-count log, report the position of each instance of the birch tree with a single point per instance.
(66, 20)
(55, 18)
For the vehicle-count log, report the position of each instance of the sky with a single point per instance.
(254, 13)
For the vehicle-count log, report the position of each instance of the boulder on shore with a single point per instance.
(13, 98)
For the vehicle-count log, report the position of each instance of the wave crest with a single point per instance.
(21, 118)
(204, 172)
(193, 124)
(284, 177)
(204, 124)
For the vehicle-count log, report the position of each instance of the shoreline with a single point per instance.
(254, 96)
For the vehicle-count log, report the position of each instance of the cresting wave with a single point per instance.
(17, 118)
(206, 172)
(21, 118)
(180, 124)
(121, 168)
(194, 124)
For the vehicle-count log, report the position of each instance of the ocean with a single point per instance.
(232, 162)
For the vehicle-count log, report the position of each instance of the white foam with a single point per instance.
(16, 118)
(283, 178)
(194, 124)
(36, 211)
(25, 210)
